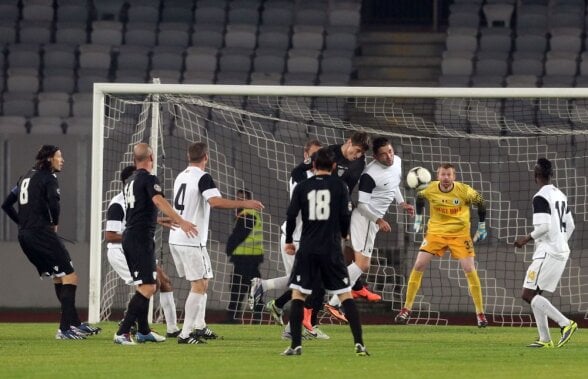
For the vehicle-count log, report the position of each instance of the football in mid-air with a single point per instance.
(418, 178)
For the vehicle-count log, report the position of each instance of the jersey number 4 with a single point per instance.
(129, 195)
(179, 199)
(319, 205)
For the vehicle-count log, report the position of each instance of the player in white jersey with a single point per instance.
(379, 186)
(194, 194)
(553, 226)
(115, 226)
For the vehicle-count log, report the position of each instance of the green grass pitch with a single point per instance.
(251, 351)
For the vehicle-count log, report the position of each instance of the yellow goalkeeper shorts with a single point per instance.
(460, 247)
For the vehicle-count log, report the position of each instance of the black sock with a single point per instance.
(138, 308)
(296, 315)
(316, 303)
(58, 288)
(353, 317)
(358, 285)
(282, 300)
(69, 314)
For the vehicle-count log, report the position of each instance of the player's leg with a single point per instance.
(168, 304)
(543, 275)
(414, 284)
(296, 315)
(462, 249)
(363, 235)
(204, 268)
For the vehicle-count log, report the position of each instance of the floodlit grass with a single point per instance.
(29, 351)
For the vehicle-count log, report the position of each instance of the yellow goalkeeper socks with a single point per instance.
(475, 290)
(414, 284)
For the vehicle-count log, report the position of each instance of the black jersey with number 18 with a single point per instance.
(323, 201)
(139, 191)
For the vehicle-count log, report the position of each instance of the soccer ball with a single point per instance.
(418, 178)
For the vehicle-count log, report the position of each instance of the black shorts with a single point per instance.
(310, 270)
(45, 251)
(139, 250)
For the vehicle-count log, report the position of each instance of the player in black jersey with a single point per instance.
(143, 197)
(38, 196)
(324, 203)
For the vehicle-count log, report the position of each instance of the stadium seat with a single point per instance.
(491, 66)
(235, 60)
(232, 77)
(53, 104)
(274, 37)
(177, 11)
(95, 56)
(308, 37)
(71, 11)
(167, 58)
(209, 15)
(37, 10)
(58, 80)
(19, 104)
(500, 13)
(86, 77)
(340, 39)
(23, 56)
(173, 34)
(7, 32)
(22, 80)
(35, 32)
(198, 77)
(81, 104)
(456, 42)
(527, 66)
(456, 66)
(207, 35)
(140, 34)
(303, 61)
(46, 125)
(278, 13)
(346, 13)
(266, 78)
(143, 11)
(13, 125)
(133, 57)
(130, 76)
(107, 33)
(269, 61)
(166, 76)
(241, 36)
(310, 16)
(59, 56)
(565, 67)
(9, 12)
(242, 15)
(109, 9)
(201, 59)
(73, 33)
(81, 126)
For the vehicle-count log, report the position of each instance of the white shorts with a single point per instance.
(118, 262)
(544, 273)
(287, 259)
(363, 233)
(192, 262)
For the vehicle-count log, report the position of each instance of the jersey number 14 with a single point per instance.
(319, 205)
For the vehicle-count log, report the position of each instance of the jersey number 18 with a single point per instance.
(319, 205)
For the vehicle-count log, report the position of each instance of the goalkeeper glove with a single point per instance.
(418, 220)
(481, 233)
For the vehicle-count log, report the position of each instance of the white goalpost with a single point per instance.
(256, 133)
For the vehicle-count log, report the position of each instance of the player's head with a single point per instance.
(383, 151)
(356, 146)
(243, 194)
(543, 171)
(126, 173)
(49, 158)
(143, 156)
(446, 174)
(323, 160)
(310, 147)
(197, 152)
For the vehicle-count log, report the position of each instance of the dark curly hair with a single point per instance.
(543, 168)
(126, 173)
(44, 155)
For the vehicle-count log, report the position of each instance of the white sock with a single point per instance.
(551, 311)
(190, 312)
(542, 323)
(166, 299)
(280, 283)
(354, 274)
(199, 322)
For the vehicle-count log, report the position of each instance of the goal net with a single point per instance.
(256, 136)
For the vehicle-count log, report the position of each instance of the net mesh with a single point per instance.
(255, 141)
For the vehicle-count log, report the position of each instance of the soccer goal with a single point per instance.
(256, 136)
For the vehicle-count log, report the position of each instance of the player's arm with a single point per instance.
(419, 208)
(243, 227)
(366, 187)
(480, 203)
(399, 198)
(345, 211)
(291, 214)
(569, 224)
(163, 205)
(208, 189)
(53, 197)
(8, 204)
(115, 215)
(541, 221)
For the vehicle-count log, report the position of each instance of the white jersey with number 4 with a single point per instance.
(192, 189)
(561, 224)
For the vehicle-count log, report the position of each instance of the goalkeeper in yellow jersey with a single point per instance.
(448, 229)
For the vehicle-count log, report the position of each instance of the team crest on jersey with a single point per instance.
(455, 201)
(157, 187)
(424, 243)
(59, 192)
(340, 171)
(308, 160)
(531, 275)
